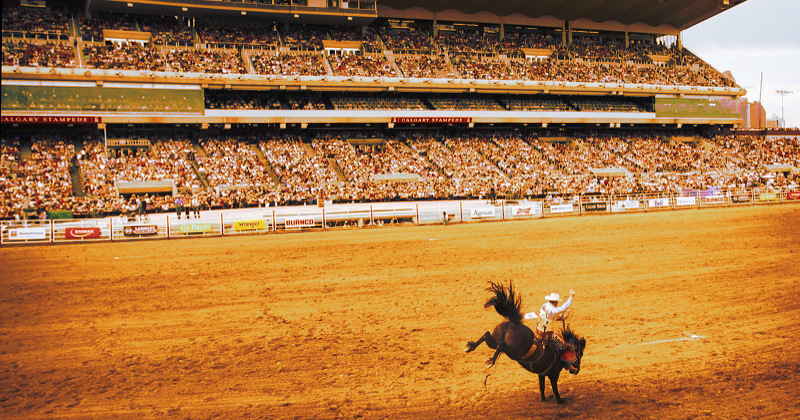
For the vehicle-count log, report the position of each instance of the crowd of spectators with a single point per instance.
(424, 66)
(473, 53)
(238, 33)
(124, 56)
(29, 54)
(361, 65)
(30, 21)
(288, 64)
(195, 60)
(231, 162)
(168, 30)
(415, 41)
(272, 167)
(92, 29)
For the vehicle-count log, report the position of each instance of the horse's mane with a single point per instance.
(507, 303)
(569, 335)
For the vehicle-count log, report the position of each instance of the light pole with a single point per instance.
(783, 92)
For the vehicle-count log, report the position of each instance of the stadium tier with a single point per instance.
(247, 103)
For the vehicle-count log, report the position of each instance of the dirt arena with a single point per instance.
(372, 323)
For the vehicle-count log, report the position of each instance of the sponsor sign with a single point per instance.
(685, 201)
(598, 206)
(714, 199)
(195, 228)
(658, 202)
(624, 205)
(561, 208)
(24, 234)
(241, 225)
(140, 230)
(742, 198)
(768, 196)
(793, 195)
(23, 119)
(82, 232)
(481, 212)
(431, 120)
(531, 209)
(298, 222)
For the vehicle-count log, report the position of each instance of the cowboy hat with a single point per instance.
(553, 297)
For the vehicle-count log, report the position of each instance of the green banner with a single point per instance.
(101, 99)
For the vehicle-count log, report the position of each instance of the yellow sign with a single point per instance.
(768, 196)
(249, 225)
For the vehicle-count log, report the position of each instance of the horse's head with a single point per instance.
(578, 343)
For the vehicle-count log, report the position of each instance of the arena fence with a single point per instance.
(307, 218)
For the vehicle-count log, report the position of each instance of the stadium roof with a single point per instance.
(677, 14)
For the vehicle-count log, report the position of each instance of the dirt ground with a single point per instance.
(372, 323)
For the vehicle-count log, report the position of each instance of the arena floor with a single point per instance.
(687, 314)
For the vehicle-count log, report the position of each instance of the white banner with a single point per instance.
(624, 205)
(481, 212)
(658, 202)
(714, 199)
(685, 201)
(299, 222)
(22, 234)
(528, 209)
(561, 208)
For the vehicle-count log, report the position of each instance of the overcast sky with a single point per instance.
(754, 37)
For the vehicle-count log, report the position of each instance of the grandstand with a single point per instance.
(242, 103)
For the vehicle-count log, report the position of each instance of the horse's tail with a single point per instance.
(506, 302)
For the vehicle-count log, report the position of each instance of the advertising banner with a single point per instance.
(793, 195)
(597, 206)
(529, 209)
(299, 222)
(481, 212)
(145, 230)
(82, 232)
(431, 120)
(624, 205)
(658, 202)
(685, 201)
(190, 228)
(561, 208)
(54, 119)
(714, 199)
(241, 225)
(742, 198)
(768, 197)
(24, 234)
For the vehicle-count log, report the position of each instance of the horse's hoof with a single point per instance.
(561, 401)
(489, 364)
(468, 348)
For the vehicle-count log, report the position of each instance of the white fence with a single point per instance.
(307, 218)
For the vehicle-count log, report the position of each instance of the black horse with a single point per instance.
(543, 357)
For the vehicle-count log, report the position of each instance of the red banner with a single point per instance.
(48, 119)
(82, 233)
(431, 120)
(793, 195)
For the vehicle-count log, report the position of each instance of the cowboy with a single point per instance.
(549, 312)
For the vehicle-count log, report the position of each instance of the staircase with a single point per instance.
(270, 171)
(198, 151)
(75, 172)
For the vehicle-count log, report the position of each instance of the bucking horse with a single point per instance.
(545, 357)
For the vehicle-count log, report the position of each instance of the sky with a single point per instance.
(754, 37)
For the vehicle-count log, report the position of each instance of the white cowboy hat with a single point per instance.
(553, 297)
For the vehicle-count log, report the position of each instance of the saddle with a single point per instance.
(554, 340)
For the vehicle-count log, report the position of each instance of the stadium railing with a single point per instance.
(303, 219)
